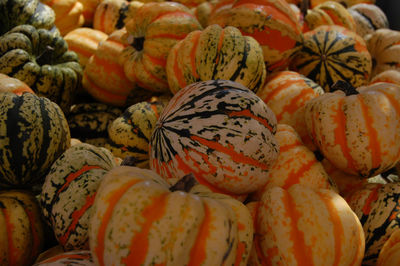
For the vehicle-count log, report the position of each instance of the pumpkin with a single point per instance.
(69, 190)
(296, 164)
(138, 219)
(286, 93)
(21, 238)
(331, 53)
(328, 13)
(390, 75)
(84, 41)
(272, 23)
(368, 18)
(131, 131)
(69, 14)
(377, 207)
(152, 31)
(43, 62)
(34, 132)
(9, 84)
(18, 12)
(104, 77)
(91, 120)
(305, 226)
(74, 257)
(384, 46)
(389, 253)
(356, 129)
(346, 3)
(216, 53)
(221, 132)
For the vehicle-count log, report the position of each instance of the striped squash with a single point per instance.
(331, 53)
(221, 132)
(377, 207)
(84, 41)
(304, 226)
(138, 219)
(296, 164)
(346, 3)
(34, 132)
(390, 75)
(10, 84)
(21, 227)
(368, 18)
(131, 131)
(69, 190)
(152, 31)
(356, 130)
(75, 257)
(389, 253)
(272, 23)
(103, 77)
(216, 53)
(91, 120)
(384, 47)
(43, 62)
(328, 13)
(286, 93)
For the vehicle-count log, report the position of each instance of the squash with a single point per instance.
(34, 132)
(22, 237)
(43, 62)
(139, 219)
(216, 53)
(384, 46)
(74, 257)
(296, 164)
(377, 207)
(390, 75)
(152, 31)
(356, 129)
(389, 253)
(286, 93)
(221, 132)
(69, 190)
(305, 226)
(272, 23)
(331, 53)
(9, 84)
(368, 18)
(84, 41)
(346, 3)
(89, 10)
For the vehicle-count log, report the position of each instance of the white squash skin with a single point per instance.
(368, 18)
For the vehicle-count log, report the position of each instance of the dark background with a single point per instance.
(392, 11)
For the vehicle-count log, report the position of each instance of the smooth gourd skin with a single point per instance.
(34, 132)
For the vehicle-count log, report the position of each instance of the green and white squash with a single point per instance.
(43, 62)
(33, 134)
(69, 191)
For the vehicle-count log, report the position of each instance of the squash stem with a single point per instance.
(345, 87)
(138, 43)
(46, 57)
(185, 183)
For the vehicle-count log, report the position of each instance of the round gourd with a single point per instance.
(21, 237)
(9, 84)
(390, 75)
(286, 93)
(272, 23)
(356, 129)
(43, 62)
(305, 226)
(332, 53)
(368, 18)
(138, 219)
(221, 132)
(69, 190)
(75, 257)
(216, 53)
(152, 31)
(33, 133)
(377, 207)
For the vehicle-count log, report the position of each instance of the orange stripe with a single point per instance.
(74, 175)
(177, 70)
(295, 103)
(219, 46)
(288, 83)
(150, 75)
(247, 113)
(287, 147)
(139, 246)
(295, 176)
(101, 93)
(195, 42)
(36, 243)
(301, 252)
(112, 201)
(79, 257)
(393, 102)
(198, 252)
(273, 39)
(372, 197)
(10, 228)
(79, 50)
(338, 231)
(75, 217)
(374, 147)
(167, 36)
(157, 61)
(174, 14)
(109, 67)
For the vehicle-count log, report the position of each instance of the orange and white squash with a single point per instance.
(14, 85)
(390, 252)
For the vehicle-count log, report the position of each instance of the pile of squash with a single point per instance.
(195, 132)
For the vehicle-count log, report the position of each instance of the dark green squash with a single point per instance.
(33, 133)
(43, 62)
